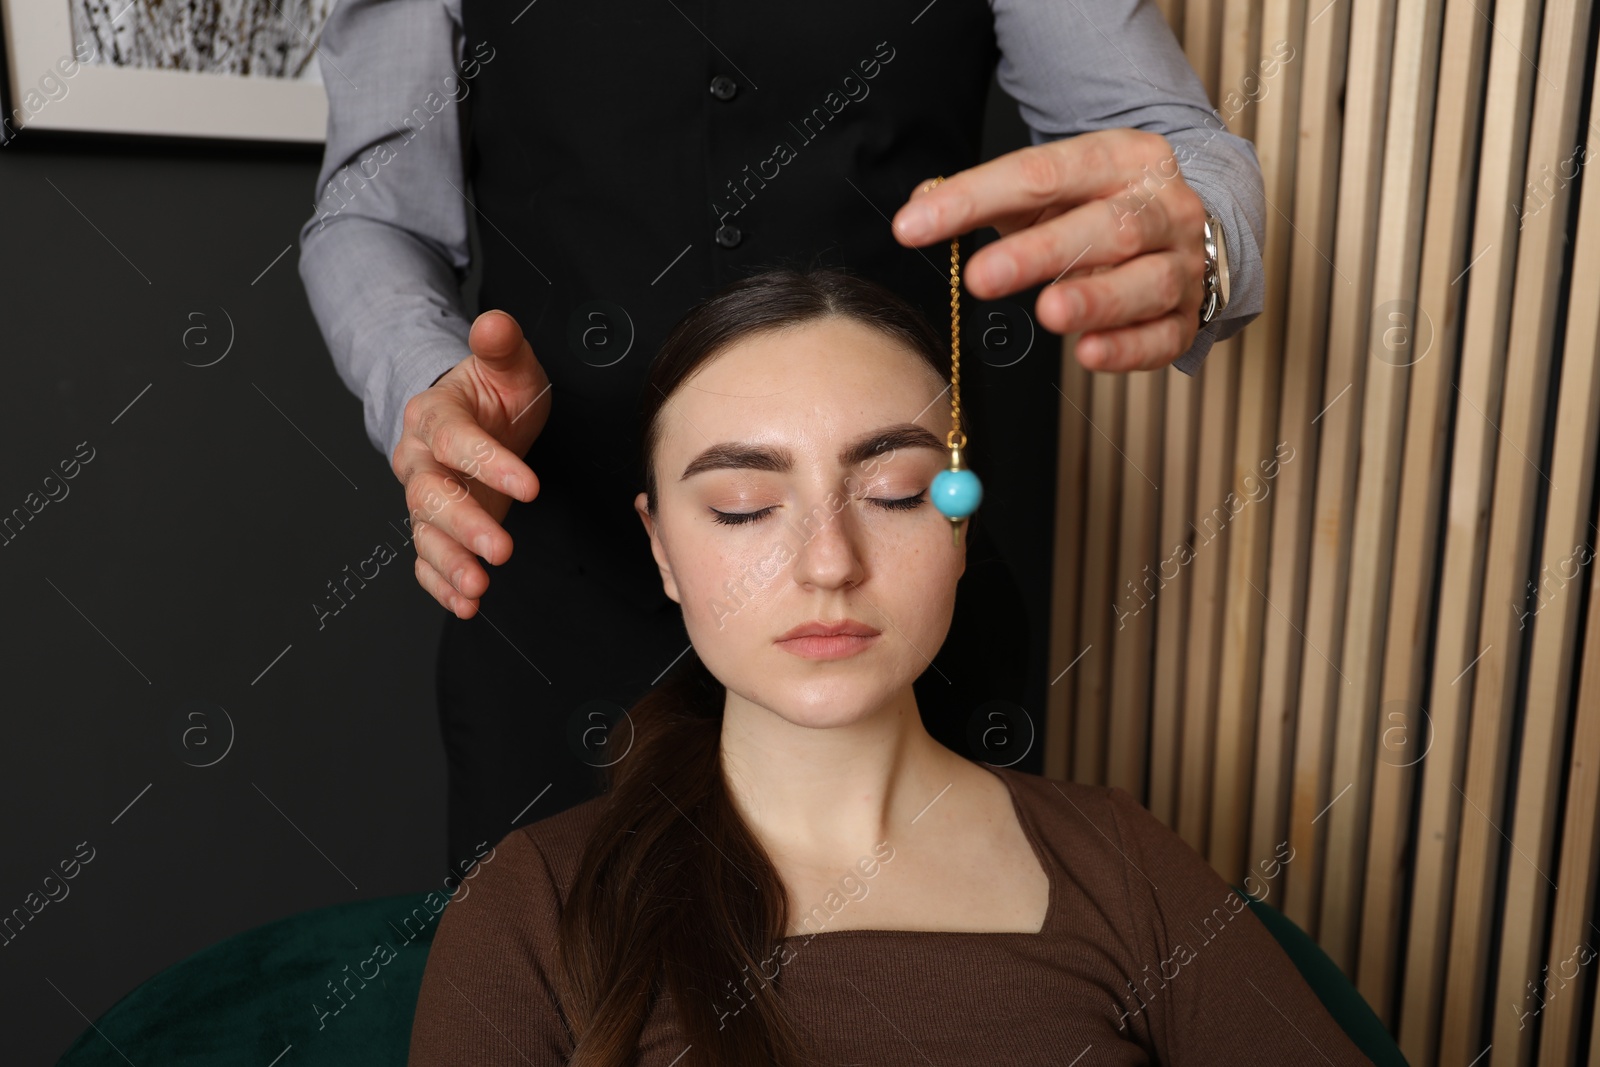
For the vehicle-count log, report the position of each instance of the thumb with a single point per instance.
(497, 341)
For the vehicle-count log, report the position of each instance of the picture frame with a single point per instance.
(219, 69)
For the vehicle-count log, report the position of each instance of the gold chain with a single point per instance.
(955, 338)
(955, 344)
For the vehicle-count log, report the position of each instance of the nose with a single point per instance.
(831, 553)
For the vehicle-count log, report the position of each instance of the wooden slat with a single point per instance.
(1135, 594)
(1180, 433)
(1172, 11)
(1276, 135)
(1219, 390)
(1390, 352)
(1182, 422)
(1488, 276)
(1172, 611)
(1214, 472)
(1308, 285)
(1569, 925)
(1095, 622)
(1202, 41)
(1581, 831)
(1407, 730)
(1178, 475)
(1361, 157)
(1066, 579)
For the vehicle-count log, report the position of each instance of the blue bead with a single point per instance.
(956, 494)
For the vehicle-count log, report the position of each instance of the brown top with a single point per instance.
(1146, 956)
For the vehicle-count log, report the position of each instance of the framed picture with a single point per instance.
(242, 69)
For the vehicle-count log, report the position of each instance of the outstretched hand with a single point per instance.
(1105, 217)
(460, 459)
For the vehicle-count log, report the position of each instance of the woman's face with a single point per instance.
(793, 472)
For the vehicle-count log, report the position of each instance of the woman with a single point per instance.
(786, 868)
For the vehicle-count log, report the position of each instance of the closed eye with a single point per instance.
(739, 518)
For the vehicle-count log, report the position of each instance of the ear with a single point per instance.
(668, 583)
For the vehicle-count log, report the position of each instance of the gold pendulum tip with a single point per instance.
(955, 528)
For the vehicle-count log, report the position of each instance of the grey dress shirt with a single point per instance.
(382, 268)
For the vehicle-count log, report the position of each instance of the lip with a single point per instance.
(842, 627)
(823, 640)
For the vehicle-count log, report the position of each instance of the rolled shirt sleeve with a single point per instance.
(384, 252)
(1086, 65)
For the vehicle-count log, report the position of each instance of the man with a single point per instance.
(625, 160)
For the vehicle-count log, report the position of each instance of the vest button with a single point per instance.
(728, 236)
(723, 87)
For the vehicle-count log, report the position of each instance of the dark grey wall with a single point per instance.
(178, 563)
(158, 614)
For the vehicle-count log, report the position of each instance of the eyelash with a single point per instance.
(725, 518)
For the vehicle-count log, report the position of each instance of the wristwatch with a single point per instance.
(1216, 295)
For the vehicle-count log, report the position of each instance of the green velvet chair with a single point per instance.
(247, 999)
(319, 987)
(1343, 1001)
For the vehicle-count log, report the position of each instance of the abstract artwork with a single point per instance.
(232, 69)
(250, 38)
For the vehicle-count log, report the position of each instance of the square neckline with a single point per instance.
(1052, 909)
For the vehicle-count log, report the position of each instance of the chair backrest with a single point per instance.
(279, 977)
(1337, 993)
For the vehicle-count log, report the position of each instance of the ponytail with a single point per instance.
(674, 894)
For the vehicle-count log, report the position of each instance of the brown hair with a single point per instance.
(673, 892)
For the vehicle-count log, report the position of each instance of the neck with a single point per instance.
(827, 795)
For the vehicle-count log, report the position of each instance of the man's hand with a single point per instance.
(1107, 217)
(460, 459)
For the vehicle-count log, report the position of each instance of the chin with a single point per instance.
(820, 718)
(821, 705)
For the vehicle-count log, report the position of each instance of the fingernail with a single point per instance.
(1074, 307)
(915, 222)
(481, 545)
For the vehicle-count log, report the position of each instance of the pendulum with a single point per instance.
(956, 492)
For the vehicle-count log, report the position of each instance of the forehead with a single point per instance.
(826, 377)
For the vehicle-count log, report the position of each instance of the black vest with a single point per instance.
(629, 158)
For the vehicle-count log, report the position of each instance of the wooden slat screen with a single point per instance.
(1389, 656)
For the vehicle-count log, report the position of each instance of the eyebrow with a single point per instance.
(744, 456)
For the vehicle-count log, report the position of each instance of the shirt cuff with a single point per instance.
(415, 372)
(1224, 172)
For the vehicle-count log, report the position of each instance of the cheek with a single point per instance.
(915, 583)
(731, 585)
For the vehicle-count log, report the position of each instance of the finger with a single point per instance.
(442, 591)
(1146, 346)
(1027, 181)
(1143, 288)
(451, 436)
(437, 496)
(1103, 232)
(450, 560)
